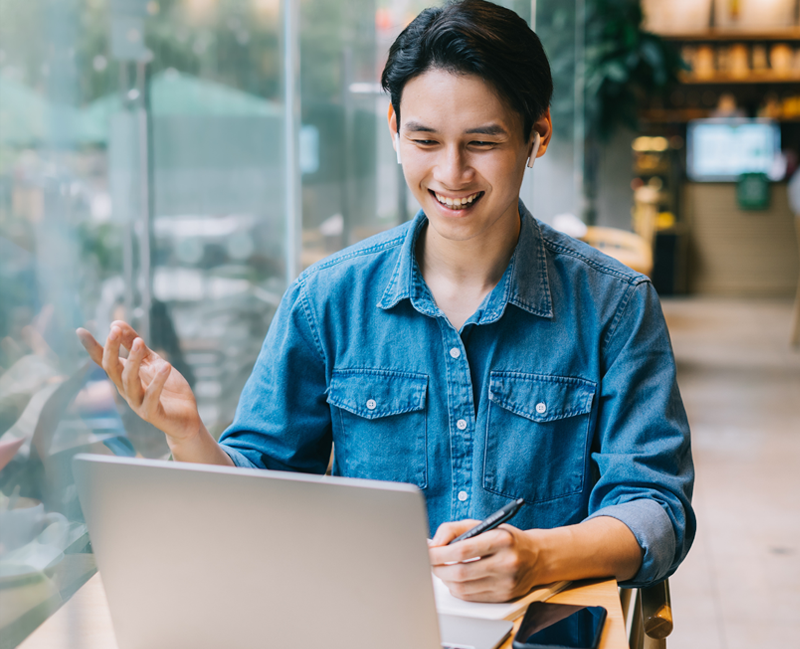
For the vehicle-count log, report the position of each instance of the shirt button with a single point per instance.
(462, 496)
(462, 424)
(541, 408)
(371, 404)
(455, 352)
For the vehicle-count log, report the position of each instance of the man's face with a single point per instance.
(463, 154)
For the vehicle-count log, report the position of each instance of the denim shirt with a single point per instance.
(560, 389)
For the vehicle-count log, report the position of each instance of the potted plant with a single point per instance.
(626, 67)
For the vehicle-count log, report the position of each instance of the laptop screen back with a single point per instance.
(200, 556)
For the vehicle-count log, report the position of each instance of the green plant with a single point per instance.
(626, 66)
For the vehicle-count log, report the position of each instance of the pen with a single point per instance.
(493, 520)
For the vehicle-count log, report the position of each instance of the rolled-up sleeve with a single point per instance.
(283, 421)
(642, 450)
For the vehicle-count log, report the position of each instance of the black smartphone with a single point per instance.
(560, 626)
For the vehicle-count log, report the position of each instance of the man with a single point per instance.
(473, 351)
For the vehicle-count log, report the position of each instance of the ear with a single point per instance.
(533, 151)
(393, 130)
(544, 127)
(392, 118)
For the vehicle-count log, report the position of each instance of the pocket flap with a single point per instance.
(377, 393)
(539, 397)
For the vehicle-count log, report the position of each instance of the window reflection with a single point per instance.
(143, 177)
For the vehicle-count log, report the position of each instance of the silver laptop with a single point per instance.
(200, 556)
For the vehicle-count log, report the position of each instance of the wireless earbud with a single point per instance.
(397, 147)
(537, 140)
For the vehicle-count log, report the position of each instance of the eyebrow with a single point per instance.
(417, 126)
(487, 129)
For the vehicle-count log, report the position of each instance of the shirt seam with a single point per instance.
(374, 414)
(538, 501)
(389, 289)
(309, 316)
(521, 304)
(543, 305)
(621, 310)
(535, 416)
(336, 260)
(498, 310)
(357, 369)
(549, 378)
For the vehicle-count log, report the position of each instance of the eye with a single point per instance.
(481, 144)
(425, 142)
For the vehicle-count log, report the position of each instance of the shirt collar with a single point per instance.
(406, 281)
(524, 284)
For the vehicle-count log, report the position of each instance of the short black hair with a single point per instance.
(480, 38)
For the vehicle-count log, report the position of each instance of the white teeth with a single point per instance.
(456, 203)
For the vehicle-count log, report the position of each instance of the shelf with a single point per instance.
(674, 115)
(767, 76)
(683, 115)
(785, 34)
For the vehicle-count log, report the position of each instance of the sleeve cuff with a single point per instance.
(239, 458)
(653, 530)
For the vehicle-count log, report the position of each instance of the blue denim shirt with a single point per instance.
(560, 389)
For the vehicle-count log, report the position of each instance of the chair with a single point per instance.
(795, 339)
(629, 248)
(651, 621)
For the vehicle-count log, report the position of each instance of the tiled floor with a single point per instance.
(740, 585)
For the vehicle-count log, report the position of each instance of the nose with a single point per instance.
(453, 169)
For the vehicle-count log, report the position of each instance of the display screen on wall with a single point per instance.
(724, 149)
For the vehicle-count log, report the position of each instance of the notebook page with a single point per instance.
(446, 604)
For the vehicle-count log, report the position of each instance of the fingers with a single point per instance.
(485, 571)
(448, 531)
(460, 573)
(127, 334)
(90, 345)
(482, 545)
(494, 566)
(131, 382)
(478, 590)
(152, 394)
(485, 580)
(110, 361)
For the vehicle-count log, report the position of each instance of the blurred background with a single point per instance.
(177, 163)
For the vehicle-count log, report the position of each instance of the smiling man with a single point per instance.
(473, 351)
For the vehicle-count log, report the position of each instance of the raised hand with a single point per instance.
(154, 389)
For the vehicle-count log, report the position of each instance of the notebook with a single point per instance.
(207, 557)
(447, 604)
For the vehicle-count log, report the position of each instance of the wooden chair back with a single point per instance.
(795, 338)
(629, 248)
(650, 613)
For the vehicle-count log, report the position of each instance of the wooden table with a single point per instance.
(84, 621)
(597, 592)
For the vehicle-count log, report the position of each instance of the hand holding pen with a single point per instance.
(478, 562)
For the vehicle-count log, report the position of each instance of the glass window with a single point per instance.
(142, 177)
(172, 163)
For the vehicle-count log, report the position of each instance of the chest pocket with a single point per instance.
(537, 435)
(381, 420)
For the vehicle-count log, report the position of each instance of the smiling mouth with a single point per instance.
(457, 203)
